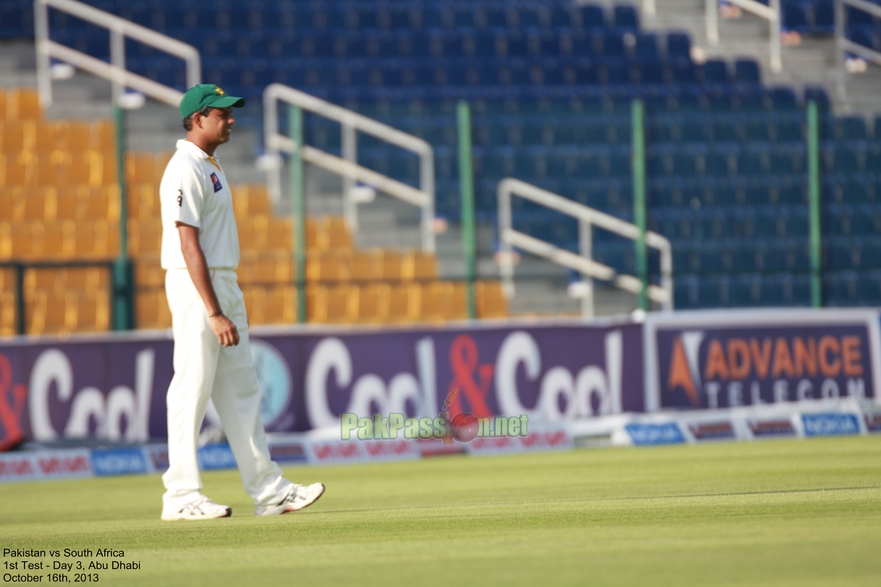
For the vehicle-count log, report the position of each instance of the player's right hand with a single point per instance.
(226, 332)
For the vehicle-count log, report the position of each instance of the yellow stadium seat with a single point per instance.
(15, 171)
(143, 202)
(365, 266)
(23, 104)
(418, 266)
(87, 278)
(102, 137)
(75, 136)
(334, 234)
(8, 200)
(403, 303)
(490, 300)
(102, 168)
(149, 273)
(316, 304)
(340, 305)
(15, 240)
(389, 265)
(88, 311)
(140, 168)
(151, 309)
(8, 322)
(66, 203)
(7, 279)
(456, 301)
(47, 171)
(31, 205)
(17, 136)
(430, 298)
(273, 267)
(328, 266)
(370, 303)
(79, 169)
(279, 233)
(47, 138)
(161, 163)
(96, 240)
(2, 105)
(45, 279)
(46, 313)
(100, 203)
(144, 238)
(251, 200)
(279, 305)
(49, 241)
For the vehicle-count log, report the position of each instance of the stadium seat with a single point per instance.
(625, 17)
(746, 71)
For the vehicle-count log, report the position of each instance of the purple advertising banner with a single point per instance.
(717, 360)
(114, 388)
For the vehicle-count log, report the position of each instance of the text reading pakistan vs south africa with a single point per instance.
(66, 565)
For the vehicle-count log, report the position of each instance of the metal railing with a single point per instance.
(347, 165)
(845, 45)
(582, 262)
(771, 13)
(115, 71)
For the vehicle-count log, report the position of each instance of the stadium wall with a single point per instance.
(684, 377)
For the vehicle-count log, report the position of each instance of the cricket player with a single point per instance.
(212, 356)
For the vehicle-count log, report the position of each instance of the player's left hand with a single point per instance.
(225, 330)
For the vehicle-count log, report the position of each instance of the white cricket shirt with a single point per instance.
(194, 191)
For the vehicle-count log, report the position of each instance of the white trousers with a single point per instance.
(205, 370)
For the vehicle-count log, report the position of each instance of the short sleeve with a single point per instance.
(187, 207)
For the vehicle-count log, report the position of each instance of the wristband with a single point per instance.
(220, 313)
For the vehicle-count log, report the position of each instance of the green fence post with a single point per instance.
(123, 311)
(466, 187)
(639, 207)
(20, 321)
(298, 207)
(814, 194)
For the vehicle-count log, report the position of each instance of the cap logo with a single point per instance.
(219, 91)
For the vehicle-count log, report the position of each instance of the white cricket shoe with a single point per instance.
(200, 508)
(296, 498)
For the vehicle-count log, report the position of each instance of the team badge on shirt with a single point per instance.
(216, 181)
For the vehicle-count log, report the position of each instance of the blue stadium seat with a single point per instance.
(713, 71)
(782, 97)
(869, 289)
(840, 253)
(678, 45)
(840, 288)
(850, 128)
(648, 71)
(819, 95)
(625, 17)
(592, 17)
(787, 128)
(682, 71)
(613, 44)
(796, 16)
(855, 16)
(824, 16)
(646, 45)
(746, 71)
(561, 16)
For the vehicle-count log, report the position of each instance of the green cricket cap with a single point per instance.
(203, 95)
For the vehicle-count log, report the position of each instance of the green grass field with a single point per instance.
(799, 512)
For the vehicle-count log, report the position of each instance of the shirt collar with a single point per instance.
(195, 151)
